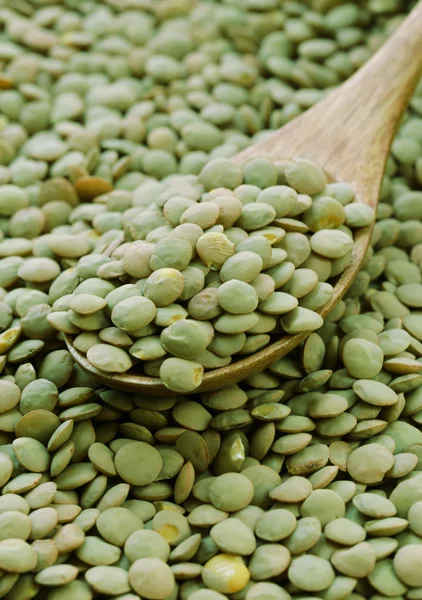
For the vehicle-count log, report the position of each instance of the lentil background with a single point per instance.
(304, 480)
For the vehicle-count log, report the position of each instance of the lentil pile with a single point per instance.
(241, 254)
(304, 481)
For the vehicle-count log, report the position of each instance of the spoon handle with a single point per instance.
(350, 131)
(388, 79)
(371, 105)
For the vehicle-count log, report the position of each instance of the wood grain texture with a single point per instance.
(349, 134)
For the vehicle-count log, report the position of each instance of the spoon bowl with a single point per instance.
(349, 134)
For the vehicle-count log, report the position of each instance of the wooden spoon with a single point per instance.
(349, 134)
